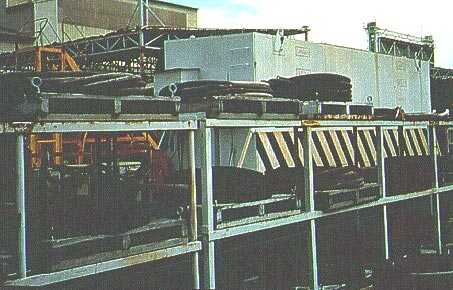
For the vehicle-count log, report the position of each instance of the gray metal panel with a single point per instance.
(390, 81)
(106, 14)
(115, 14)
(274, 57)
(14, 18)
(6, 46)
(231, 142)
(387, 81)
(219, 57)
(165, 78)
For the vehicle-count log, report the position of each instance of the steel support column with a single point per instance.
(355, 146)
(380, 155)
(434, 152)
(146, 20)
(20, 203)
(310, 207)
(401, 142)
(193, 208)
(141, 21)
(141, 13)
(296, 154)
(207, 208)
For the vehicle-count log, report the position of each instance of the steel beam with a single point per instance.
(296, 154)
(233, 123)
(44, 280)
(20, 203)
(99, 126)
(310, 207)
(146, 20)
(297, 217)
(141, 14)
(434, 152)
(355, 146)
(380, 155)
(207, 207)
(193, 208)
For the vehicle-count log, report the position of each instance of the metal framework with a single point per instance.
(311, 216)
(23, 130)
(209, 234)
(139, 50)
(441, 73)
(398, 44)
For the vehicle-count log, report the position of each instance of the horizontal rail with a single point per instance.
(74, 127)
(80, 272)
(307, 216)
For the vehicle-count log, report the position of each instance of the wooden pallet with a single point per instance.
(242, 104)
(236, 213)
(331, 200)
(78, 251)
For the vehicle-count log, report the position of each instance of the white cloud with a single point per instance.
(342, 22)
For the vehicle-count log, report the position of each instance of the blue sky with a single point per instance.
(336, 22)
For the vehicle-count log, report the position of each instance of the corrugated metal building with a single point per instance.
(84, 18)
(13, 22)
(94, 17)
(12, 39)
(383, 80)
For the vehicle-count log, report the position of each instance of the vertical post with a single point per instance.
(434, 151)
(358, 235)
(401, 142)
(38, 60)
(141, 21)
(355, 146)
(34, 150)
(58, 148)
(193, 208)
(436, 198)
(146, 20)
(310, 207)
(207, 208)
(141, 34)
(380, 154)
(20, 203)
(296, 155)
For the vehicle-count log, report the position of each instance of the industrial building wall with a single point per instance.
(383, 80)
(14, 18)
(218, 57)
(386, 81)
(6, 46)
(191, 14)
(94, 17)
